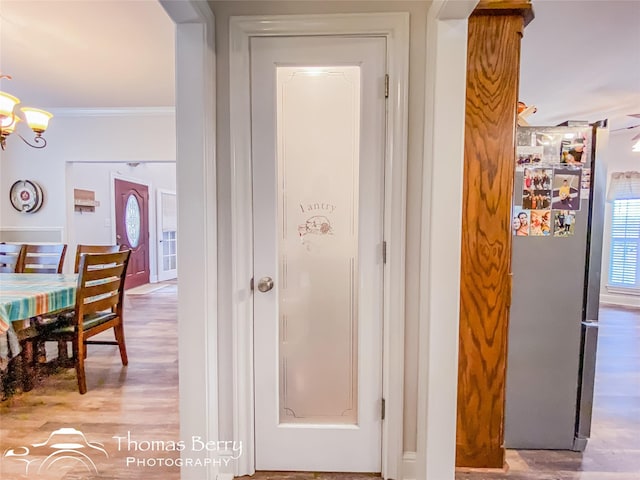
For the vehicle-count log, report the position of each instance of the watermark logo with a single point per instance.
(64, 449)
(67, 449)
(195, 452)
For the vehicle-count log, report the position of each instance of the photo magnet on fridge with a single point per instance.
(566, 188)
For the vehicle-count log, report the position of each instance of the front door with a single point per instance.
(132, 228)
(318, 143)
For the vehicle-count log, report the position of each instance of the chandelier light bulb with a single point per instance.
(38, 120)
(7, 104)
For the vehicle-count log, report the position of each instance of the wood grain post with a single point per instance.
(493, 63)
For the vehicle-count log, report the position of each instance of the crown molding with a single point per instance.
(112, 111)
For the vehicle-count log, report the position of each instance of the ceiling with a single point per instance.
(87, 53)
(580, 59)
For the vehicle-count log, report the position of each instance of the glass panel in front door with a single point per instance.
(318, 132)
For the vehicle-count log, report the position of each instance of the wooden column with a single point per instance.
(493, 63)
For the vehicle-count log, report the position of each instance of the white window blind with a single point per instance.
(625, 243)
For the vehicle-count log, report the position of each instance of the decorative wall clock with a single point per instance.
(26, 196)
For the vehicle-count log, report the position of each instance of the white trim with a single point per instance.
(59, 230)
(409, 466)
(440, 239)
(620, 300)
(112, 111)
(395, 27)
(32, 229)
(120, 162)
(196, 185)
(613, 289)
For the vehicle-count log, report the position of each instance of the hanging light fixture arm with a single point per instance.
(39, 142)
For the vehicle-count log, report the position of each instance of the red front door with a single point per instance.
(132, 229)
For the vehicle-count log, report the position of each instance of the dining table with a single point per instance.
(24, 296)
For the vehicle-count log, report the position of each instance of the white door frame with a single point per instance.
(446, 70)
(395, 28)
(196, 184)
(159, 249)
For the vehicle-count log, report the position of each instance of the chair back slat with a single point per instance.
(12, 257)
(81, 249)
(108, 271)
(106, 303)
(44, 258)
(100, 282)
(36, 259)
(103, 288)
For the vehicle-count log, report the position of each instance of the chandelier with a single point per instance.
(38, 120)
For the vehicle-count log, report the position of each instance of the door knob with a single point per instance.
(265, 284)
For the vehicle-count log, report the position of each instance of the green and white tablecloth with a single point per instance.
(26, 295)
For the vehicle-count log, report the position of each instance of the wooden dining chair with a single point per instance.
(11, 257)
(99, 307)
(80, 249)
(63, 319)
(47, 258)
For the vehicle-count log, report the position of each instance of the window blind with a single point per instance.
(625, 243)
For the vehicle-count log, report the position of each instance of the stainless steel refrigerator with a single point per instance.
(560, 176)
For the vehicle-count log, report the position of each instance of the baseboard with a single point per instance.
(620, 300)
(409, 466)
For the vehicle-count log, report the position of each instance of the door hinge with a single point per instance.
(382, 413)
(251, 284)
(384, 252)
(386, 86)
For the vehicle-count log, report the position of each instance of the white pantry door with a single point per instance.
(318, 143)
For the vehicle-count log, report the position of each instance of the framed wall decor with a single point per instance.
(26, 196)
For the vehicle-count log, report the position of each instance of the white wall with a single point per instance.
(81, 136)
(418, 12)
(111, 138)
(135, 135)
(97, 227)
(619, 158)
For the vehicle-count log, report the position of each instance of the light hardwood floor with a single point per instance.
(143, 399)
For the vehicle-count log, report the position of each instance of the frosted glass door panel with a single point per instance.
(318, 132)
